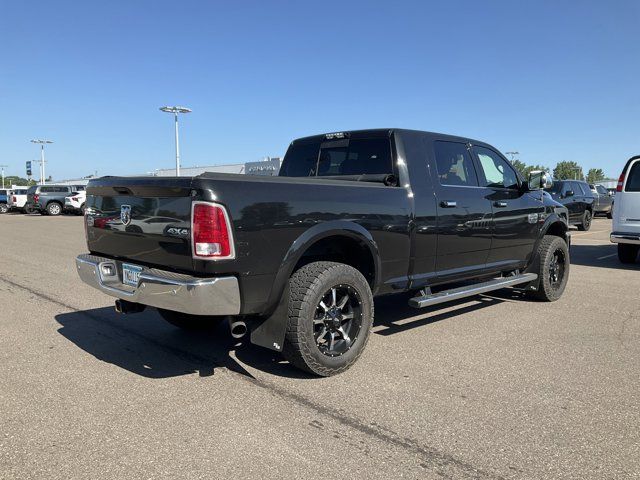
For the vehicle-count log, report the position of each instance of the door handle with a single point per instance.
(448, 204)
(500, 204)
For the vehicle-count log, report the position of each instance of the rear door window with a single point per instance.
(455, 167)
(633, 181)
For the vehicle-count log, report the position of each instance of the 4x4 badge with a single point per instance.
(125, 214)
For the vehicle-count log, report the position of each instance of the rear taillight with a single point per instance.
(620, 183)
(36, 197)
(13, 199)
(211, 232)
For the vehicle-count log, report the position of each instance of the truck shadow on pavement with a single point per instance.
(394, 315)
(603, 256)
(146, 345)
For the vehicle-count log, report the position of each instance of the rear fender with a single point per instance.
(270, 331)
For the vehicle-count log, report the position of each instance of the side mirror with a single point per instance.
(568, 193)
(539, 179)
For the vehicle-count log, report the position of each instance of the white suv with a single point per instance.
(75, 202)
(626, 215)
(17, 198)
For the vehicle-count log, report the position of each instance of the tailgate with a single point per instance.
(142, 220)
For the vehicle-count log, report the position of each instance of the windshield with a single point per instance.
(338, 157)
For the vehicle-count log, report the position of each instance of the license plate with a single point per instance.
(131, 274)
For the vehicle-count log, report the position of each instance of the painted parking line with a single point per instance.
(607, 256)
(603, 241)
(588, 233)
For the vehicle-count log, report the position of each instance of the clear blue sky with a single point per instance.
(554, 80)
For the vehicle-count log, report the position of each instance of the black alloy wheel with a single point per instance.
(557, 268)
(330, 313)
(553, 264)
(586, 221)
(338, 320)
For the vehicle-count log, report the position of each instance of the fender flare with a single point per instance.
(334, 228)
(550, 220)
(269, 331)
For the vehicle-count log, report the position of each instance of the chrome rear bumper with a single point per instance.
(162, 289)
(622, 237)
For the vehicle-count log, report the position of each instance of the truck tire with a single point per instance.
(330, 314)
(189, 322)
(627, 253)
(54, 209)
(3, 208)
(585, 225)
(553, 268)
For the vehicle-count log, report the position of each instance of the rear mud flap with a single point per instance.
(270, 331)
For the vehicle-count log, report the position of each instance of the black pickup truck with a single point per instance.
(296, 259)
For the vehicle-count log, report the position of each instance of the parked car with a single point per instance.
(577, 197)
(4, 195)
(49, 199)
(626, 215)
(603, 200)
(76, 202)
(298, 258)
(17, 198)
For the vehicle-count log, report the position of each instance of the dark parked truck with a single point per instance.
(297, 259)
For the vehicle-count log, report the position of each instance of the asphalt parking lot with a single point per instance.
(492, 387)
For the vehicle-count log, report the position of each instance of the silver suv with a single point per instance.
(49, 199)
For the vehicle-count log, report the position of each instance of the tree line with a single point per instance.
(564, 171)
(23, 182)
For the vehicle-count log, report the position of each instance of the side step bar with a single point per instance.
(471, 290)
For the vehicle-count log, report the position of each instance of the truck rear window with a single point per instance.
(633, 182)
(338, 158)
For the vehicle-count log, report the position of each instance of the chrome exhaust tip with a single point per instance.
(238, 328)
(124, 307)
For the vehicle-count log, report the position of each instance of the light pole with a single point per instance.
(42, 168)
(3, 167)
(176, 110)
(513, 155)
(576, 170)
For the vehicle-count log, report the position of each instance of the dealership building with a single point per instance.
(267, 166)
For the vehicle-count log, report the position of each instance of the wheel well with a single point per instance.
(54, 201)
(345, 250)
(557, 229)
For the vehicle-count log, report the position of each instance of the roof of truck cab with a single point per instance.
(385, 132)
